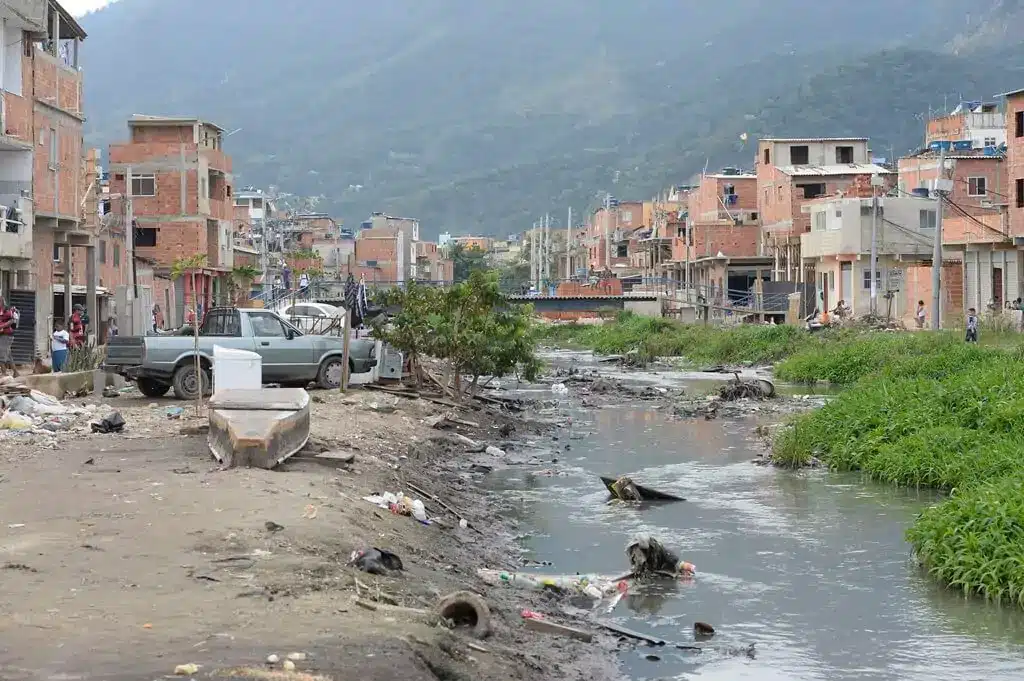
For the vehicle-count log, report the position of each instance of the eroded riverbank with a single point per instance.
(811, 565)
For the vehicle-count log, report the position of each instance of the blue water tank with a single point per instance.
(920, 191)
(963, 145)
(990, 151)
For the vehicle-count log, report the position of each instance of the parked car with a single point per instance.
(316, 318)
(159, 363)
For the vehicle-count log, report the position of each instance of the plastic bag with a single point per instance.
(14, 421)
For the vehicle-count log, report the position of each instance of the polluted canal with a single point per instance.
(810, 566)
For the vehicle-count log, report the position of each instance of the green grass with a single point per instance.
(651, 337)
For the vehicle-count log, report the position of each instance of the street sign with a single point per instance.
(894, 279)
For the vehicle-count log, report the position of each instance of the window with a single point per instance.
(867, 278)
(990, 141)
(767, 156)
(56, 252)
(976, 186)
(257, 203)
(143, 185)
(927, 219)
(766, 195)
(266, 325)
(228, 189)
(53, 148)
(1020, 123)
(221, 323)
(813, 191)
(1020, 193)
(800, 155)
(242, 202)
(117, 255)
(105, 207)
(844, 154)
(145, 237)
(819, 221)
(102, 252)
(626, 216)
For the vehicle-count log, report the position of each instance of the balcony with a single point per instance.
(16, 243)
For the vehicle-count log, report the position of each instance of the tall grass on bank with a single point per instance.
(652, 337)
(953, 419)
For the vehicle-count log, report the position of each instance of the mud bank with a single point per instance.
(126, 555)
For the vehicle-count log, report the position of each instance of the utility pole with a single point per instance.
(534, 257)
(875, 181)
(607, 235)
(568, 245)
(942, 185)
(129, 228)
(547, 248)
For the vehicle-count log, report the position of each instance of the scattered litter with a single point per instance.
(491, 450)
(310, 512)
(463, 523)
(298, 657)
(175, 412)
(12, 420)
(539, 623)
(288, 666)
(272, 526)
(648, 557)
(559, 389)
(703, 630)
(376, 561)
(273, 659)
(466, 610)
(186, 669)
(111, 423)
(596, 587)
(400, 504)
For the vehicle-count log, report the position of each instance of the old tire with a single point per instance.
(466, 611)
(150, 387)
(186, 383)
(329, 376)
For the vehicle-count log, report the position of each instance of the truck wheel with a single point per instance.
(186, 383)
(329, 377)
(150, 387)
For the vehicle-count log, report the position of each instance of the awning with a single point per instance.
(79, 290)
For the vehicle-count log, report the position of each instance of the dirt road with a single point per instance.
(122, 556)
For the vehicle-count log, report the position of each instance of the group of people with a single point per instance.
(60, 341)
(971, 321)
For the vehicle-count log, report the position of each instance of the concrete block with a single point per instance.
(60, 384)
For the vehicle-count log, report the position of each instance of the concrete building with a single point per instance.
(980, 123)
(791, 172)
(410, 231)
(42, 169)
(722, 215)
(179, 182)
(431, 265)
(838, 249)
(608, 234)
(1015, 160)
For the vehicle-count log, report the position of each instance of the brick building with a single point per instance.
(179, 181)
(43, 169)
(1015, 160)
(980, 123)
(791, 172)
(723, 215)
(609, 231)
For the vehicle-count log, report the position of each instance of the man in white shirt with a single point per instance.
(59, 346)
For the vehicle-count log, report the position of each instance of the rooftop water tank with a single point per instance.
(920, 191)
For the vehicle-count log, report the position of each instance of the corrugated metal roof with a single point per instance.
(841, 169)
(744, 176)
(814, 139)
(1011, 93)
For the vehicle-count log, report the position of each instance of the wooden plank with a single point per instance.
(549, 627)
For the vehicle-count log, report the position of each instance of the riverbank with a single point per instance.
(126, 555)
(921, 410)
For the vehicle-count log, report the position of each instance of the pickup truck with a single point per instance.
(159, 363)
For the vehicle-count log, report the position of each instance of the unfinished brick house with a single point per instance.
(1015, 160)
(179, 182)
(41, 189)
(723, 215)
(791, 172)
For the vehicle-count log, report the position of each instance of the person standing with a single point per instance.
(7, 324)
(59, 346)
(76, 327)
(920, 315)
(972, 326)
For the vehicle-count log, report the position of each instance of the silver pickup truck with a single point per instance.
(159, 363)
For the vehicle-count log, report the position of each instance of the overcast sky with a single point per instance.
(80, 7)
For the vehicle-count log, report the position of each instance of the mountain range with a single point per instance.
(481, 116)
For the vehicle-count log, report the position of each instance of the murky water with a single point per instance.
(811, 566)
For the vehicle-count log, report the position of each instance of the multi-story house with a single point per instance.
(793, 171)
(723, 217)
(838, 249)
(409, 228)
(42, 166)
(1015, 161)
(979, 123)
(178, 180)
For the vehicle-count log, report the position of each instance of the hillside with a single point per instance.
(478, 116)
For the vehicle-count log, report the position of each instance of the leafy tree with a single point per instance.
(190, 267)
(469, 326)
(467, 260)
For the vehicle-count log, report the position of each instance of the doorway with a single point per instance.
(997, 287)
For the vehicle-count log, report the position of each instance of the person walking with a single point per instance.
(59, 342)
(8, 321)
(920, 315)
(972, 326)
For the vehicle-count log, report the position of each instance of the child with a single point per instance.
(919, 317)
(59, 346)
(972, 326)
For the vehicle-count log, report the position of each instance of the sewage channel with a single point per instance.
(811, 566)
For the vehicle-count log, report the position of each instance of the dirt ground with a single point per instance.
(125, 555)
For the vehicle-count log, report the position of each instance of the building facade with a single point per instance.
(178, 180)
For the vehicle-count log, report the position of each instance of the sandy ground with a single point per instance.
(124, 555)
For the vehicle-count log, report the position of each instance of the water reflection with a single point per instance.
(812, 566)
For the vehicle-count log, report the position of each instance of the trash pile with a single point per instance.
(400, 504)
(30, 411)
(596, 587)
(649, 558)
(740, 389)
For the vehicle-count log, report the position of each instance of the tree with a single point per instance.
(469, 326)
(190, 267)
(467, 260)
